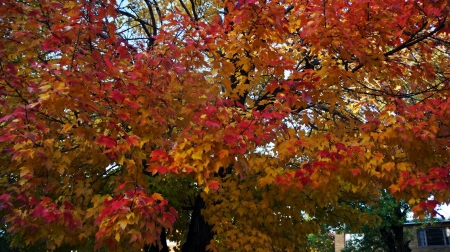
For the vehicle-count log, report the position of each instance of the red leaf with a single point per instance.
(213, 185)
(133, 141)
(96, 56)
(6, 118)
(23, 198)
(411, 182)
(117, 96)
(46, 200)
(7, 137)
(121, 186)
(68, 217)
(282, 180)
(5, 197)
(356, 172)
(159, 155)
(51, 216)
(174, 212)
(323, 154)
(179, 70)
(124, 116)
(168, 216)
(33, 13)
(158, 169)
(230, 138)
(39, 211)
(439, 171)
(166, 63)
(299, 174)
(34, 201)
(211, 124)
(440, 185)
(117, 204)
(107, 141)
(47, 46)
(428, 187)
(68, 206)
(340, 146)
(11, 68)
(109, 65)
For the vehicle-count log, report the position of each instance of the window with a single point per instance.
(434, 237)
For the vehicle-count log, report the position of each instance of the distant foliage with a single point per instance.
(321, 242)
(387, 233)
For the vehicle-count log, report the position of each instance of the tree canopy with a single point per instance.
(248, 124)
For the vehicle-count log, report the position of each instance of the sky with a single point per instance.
(443, 210)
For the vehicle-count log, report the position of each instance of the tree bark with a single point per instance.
(200, 232)
(400, 243)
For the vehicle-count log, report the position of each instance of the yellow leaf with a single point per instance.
(69, 5)
(121, 159)
(61, 169)
(207, 146)
(241, 211)
(403, 166)
(66, 127)
(90, 212)
(157, 196)
(117, 237)
(123, 223)
(223, 153)
(58, 240)
(394, 188)
(49, 144)
(388, 166)
(130, 215)
(79, 191)
(24, 171)
(198, 154)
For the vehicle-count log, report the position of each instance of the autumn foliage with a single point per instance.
(279, 114)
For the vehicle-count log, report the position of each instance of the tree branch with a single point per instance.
(142, 22)
(152, 16)
(193, 10)
(408, 43)
(186, 9)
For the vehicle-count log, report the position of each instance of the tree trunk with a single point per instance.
(388, 239)
(400, 244)
(200, 232)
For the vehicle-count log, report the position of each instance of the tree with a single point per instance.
(244, 125)
(321, 242)
(387, 233)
